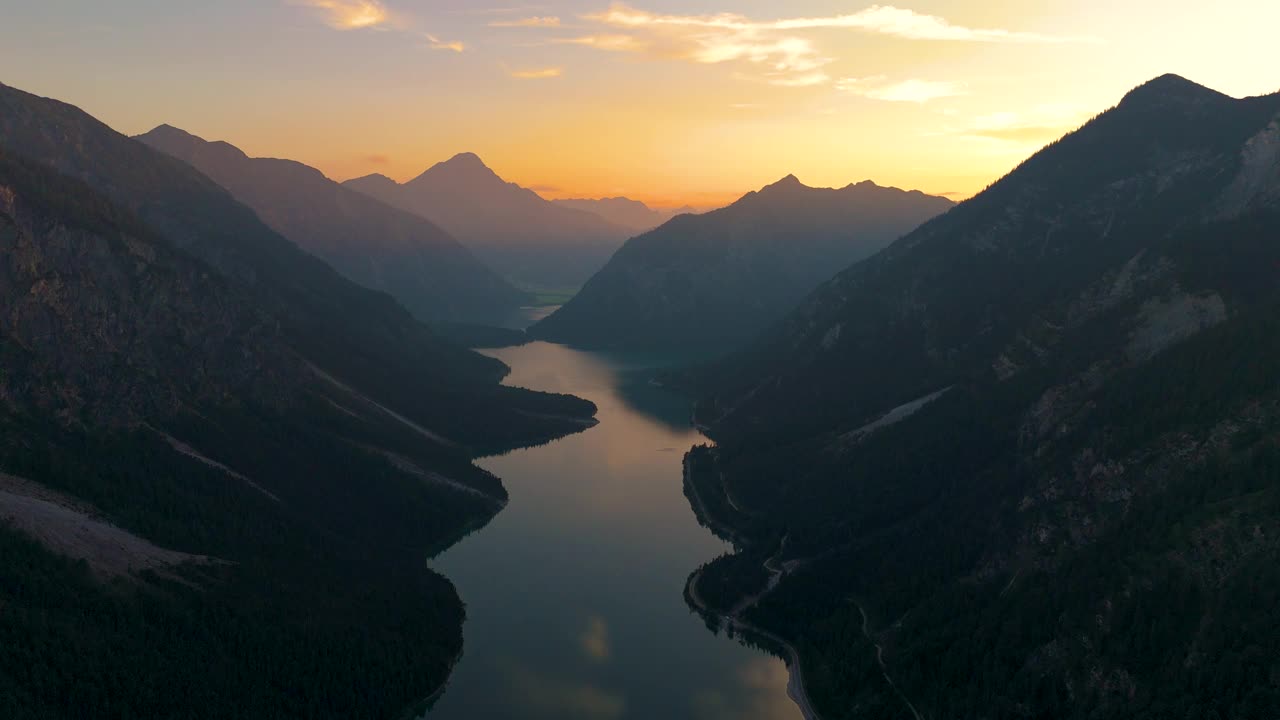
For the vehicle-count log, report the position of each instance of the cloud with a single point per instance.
(350, 14)
(779, 58)
(529, 22)
(372, 14)
(1022, 134)
(613, 43)
(537, 73)
(544, 188)
(436, 43)
(377, 159)
(504, 10)
(805, 80)
(595, 640)
(1034, 126)
(781, 50)
(883, 19)
(916, 91)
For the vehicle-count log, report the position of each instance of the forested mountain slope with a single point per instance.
(221, 465)
(720, 278)
(1035, 441)
(374, 244)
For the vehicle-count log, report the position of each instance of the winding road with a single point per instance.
(733, 620)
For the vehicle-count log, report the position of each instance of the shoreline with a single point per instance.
(795, 681)
(795, 672)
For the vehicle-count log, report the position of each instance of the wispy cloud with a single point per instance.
(884, 19)
(802, 80)
(1031, 127)
(915, 91)
(783, 50)
(350, 14)
(549, 21)
(436, 43)
(511, 10)
(373, 14)
(613, 43)
(536, 73)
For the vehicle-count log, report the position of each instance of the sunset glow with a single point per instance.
(668, 102)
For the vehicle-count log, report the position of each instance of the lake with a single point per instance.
(574, 592)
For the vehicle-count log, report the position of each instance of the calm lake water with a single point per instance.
(574, 591)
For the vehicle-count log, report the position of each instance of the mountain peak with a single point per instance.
(786, 184)
(373, 177)
(180, 143)
(169, 133)
(465, 160)
(1170, 89)
(466, 168)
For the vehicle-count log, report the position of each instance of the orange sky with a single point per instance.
(695, 101)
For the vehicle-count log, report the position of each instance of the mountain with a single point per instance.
(633, 215)
(720, 278)
(221, 463)
(524, 237)
(1024, 462)
(374, 244)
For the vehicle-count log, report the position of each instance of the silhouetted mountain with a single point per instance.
(216, 452)
(372, 243)
(526, 238)
(633, 215)
(1035, 439)
(722, 277)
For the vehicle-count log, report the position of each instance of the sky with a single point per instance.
(671, 102)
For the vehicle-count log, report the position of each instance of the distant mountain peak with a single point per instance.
(788, 184)
(166, 128)
(169, 133)
(466, 158)
(466, 168)
(176, 141)
(466, 162)
(374, 177)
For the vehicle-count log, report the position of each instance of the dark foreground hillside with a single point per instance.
(222, 466)
(1030, 454)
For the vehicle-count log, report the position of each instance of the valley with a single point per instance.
(382, 360)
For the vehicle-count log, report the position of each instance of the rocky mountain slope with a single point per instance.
(529, 240)
(222, 463)
(371, 243)
(720, 278)
(1028, 454)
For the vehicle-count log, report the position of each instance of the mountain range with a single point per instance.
(529, 240)
(1024, 461)
(720, 278)
(374, 244)
(221, 462)
(633, 215)
(1013, 458)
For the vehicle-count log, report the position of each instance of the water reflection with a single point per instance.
(574, 592)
